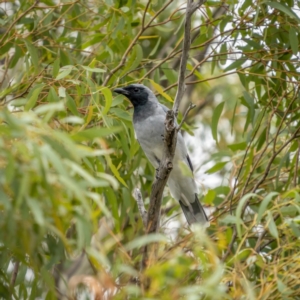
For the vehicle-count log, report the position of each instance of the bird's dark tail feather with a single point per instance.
(195, 213)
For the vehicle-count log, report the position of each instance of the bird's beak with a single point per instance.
(121, 91)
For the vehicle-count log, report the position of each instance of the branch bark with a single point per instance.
(191, 8)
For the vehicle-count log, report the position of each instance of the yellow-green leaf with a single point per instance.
(108, 99)
(115, 171)
(33, 96)
(160, 90)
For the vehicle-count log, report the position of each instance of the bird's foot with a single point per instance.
(163, 137)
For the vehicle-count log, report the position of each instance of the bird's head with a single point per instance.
(137, 94)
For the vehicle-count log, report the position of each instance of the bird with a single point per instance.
(148, 121)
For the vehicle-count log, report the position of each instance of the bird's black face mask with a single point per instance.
(136, 95)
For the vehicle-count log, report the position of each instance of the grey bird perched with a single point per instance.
(148, 121)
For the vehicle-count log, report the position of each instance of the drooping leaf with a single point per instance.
(215, 120)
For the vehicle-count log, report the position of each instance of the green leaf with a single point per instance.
(217, 167)
(264, 204)
(49, 107)
(36, 210)
(229, 219)
(62, 92)
(52, 96)
(223, 54)
(237, 146)
(160, 90)
(272, 226)
(64, 71)
(121, 113)
(71, 105)
(135, 59)
(115, 171)
(108, 99)
(94, 70)
(215, 120)
(33, 54)
(294, 40)
(33, 96)
(96, 38)
(145, 240)
(92, 133)
(235, 65)
(155, 47)
(185, 169)
(253, 44)
(18, 54)
(209, 197)
(239, 211)
(249, 102)
(285, 9)
(55, 67)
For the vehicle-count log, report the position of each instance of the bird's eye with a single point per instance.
(136, 90)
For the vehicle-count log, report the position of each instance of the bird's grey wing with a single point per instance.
(149, 132)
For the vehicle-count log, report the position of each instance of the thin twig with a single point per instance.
(145, 12)
(140, 203)
(14, 274)
(191, 106)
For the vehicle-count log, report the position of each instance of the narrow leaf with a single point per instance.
(160, 90)
(272, 226)
(215, 120)
(108, 99)
(95, 70)
(293, 40)
(285, 9)
(33, 54)
(264, 204)
(217, 167)
(90, 134)
(33, 96)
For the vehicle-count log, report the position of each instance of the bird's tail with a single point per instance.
(194, 213)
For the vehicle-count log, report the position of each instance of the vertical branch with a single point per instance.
(190, 9)
(170, 138)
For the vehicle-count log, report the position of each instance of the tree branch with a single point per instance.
(140, 203)
(191, 8)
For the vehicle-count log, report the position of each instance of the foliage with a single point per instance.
(69, 159)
